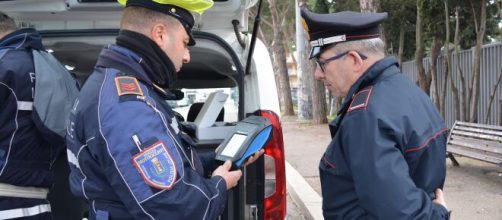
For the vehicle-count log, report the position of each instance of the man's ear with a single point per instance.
(158, 34)
(357, 61)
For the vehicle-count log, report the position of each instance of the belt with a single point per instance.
(8, 190)
(25, 212)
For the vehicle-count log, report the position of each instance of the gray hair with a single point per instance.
(141, 19)
(367, 46)
(7, 24)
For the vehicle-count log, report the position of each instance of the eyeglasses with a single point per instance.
(321, 63)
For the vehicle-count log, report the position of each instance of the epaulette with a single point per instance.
(360, 100)
(127, 85)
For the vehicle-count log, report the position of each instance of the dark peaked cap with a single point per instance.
(327, 29)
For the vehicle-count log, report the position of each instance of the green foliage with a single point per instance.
(286, 10)
(435, 21)
(468, 33)
(401, 12)
(321, 6)
(325, 6)
(404, 12)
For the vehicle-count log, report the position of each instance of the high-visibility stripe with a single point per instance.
(24, 106)
(25, 212)
(72, 158)
(8, 190)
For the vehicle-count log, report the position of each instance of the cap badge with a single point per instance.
(305, 27)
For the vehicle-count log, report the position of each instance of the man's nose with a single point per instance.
(318, 73)
(186, 57)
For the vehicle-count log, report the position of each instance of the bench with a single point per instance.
(477, 141)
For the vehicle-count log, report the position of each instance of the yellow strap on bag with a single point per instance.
(198, 6)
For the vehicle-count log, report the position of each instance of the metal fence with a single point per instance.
(491, 65)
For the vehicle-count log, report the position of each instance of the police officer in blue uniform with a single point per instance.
(27, 148)
(128, 157)
(386, 159)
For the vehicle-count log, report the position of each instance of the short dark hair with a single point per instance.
(7, 24)
(138, 18)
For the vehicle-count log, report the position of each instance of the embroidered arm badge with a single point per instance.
(156, 166)
(127, 85)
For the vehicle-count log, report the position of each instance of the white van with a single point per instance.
(76, 31)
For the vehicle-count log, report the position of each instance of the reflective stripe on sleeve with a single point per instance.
(25, 212)
(24, 106)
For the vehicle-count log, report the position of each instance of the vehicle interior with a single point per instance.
(211, 69)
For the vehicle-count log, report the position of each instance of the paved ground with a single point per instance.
(294, 212)
(472, 191)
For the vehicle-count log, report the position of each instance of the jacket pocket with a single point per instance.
(333, 162)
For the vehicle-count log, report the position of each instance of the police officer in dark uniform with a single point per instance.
(128, 157)
(27, 148)
(386, 159)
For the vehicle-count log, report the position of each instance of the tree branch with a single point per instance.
(264, 21)
(263, 37)
(285, 17)
(492, 97)
(475, 20)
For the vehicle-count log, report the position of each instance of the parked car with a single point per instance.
(76, 30)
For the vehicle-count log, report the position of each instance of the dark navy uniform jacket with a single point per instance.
(387, 155)
(26, 153)
(128, 158)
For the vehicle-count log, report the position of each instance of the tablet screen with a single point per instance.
(234, 145)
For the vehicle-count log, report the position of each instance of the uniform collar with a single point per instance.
(382, 67)
(129, 63)
(23, 38)
(368, 78)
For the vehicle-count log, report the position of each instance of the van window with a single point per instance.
(193, 100)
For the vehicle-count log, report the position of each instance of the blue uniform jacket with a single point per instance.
(27, 148)
(387, 155)
(128, 158)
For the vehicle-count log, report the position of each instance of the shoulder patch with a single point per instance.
(360, 99)
(127, 85)
(156, 166)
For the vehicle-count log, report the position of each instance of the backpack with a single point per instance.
(55, 92)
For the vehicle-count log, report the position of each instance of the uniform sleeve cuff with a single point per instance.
(221, 185)
(441, 211)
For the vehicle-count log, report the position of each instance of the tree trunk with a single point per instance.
(369, 6)
(304, 70)
(318, 102)
(462, 100)
(500, 107)
(435, 49)
(290, 37)
(279, 55)
(336, 103)
(480, 34)
(492, 97)
(263, 37)
(332, 106)
(372, 6)
(319, 107)
(423, 79)
(447, 75)
(456, 99)
(401, 46)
